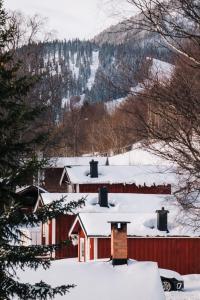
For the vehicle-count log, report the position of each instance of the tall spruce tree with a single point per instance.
(17, 162)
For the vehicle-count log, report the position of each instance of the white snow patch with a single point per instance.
(73, 67)
(137, 156)
(160, 70)
(99, 280)
(111, 106)
(65, 103)
(94, 67)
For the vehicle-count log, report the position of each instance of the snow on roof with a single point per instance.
(139, 209)
(141, 224)
(61, 162)
(139, 175)
(26, 187)
(99, 280)
(118, 202)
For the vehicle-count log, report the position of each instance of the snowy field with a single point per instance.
(99, 280)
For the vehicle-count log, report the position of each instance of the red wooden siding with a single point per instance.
(178, 254)
(63, 225)
(125, 188)
(91, 248)
(103, 248)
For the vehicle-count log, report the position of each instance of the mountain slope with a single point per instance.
(95, 71)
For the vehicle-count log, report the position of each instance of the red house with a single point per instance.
(175, 249)
(57, 230)
(145, 179)
(50, 176)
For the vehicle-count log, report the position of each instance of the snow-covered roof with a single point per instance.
(117, 202)
(139, 209)
(139, 175)
(27, 187)
(99, 280)
(141, 224)
(61, 162)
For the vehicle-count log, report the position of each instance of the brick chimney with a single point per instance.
(103, 197)
(162, 219)
(93, 169)
(119, 248)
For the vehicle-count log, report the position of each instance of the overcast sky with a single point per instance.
(75, 18)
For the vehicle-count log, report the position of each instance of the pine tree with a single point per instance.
(17, 162)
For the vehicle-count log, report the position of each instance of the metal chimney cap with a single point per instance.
(94, 161)
(121, 222)
(162, 210)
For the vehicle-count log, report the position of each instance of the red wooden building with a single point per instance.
(173, 250)
(57, 230)
(50, 176)
(146, 179)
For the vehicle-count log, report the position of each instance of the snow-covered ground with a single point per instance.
(137, 156)
(100, 280)
(191, 291)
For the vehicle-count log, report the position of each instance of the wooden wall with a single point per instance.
(126, 188)
(52, 178)
(63, 225)
(178, 254)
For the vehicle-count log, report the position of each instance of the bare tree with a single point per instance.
(171, 129)
(176, 21)
(28, 29)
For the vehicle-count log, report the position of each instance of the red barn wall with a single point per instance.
(63, 225)
(91, 248)
(125, 188)
(178, 254)
(104, 248)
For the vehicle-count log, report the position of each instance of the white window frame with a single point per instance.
(82, 249)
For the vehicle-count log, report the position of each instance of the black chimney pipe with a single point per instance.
(93, 169)
(103, 197)
(162, 219)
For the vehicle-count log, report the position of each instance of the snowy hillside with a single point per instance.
(77, 71)
(137, 156)
(159, 70)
